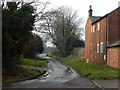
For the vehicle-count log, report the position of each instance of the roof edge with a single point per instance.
(114, 43)
(100, 19)
(105, 15)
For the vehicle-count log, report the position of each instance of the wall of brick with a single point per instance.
(113, 33)
(96, 38)
(119, 36)
(113, 56)
(112, 26)
(102, 38)
(87, 39)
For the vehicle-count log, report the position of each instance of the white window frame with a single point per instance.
(93, 29)
(98, 48)
(101, 47)
(98, 26)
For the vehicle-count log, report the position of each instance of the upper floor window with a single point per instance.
(98, 26)
(98, 48)
(101, 47)
(93, 29)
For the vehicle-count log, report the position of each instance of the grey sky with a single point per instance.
(100, 7)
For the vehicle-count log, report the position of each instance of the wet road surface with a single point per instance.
(57, 76)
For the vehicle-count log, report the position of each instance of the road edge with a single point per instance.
(96, 84)
(31, 78)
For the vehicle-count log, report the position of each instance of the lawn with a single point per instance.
(27, 73)
(92, 71)
(32, 62)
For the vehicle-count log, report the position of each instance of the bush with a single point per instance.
(33, 47)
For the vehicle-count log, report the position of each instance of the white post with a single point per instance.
(87, 61)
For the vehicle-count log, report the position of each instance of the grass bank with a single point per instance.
(92, 71)
(26, 72)
(53, 56)
(32, 62)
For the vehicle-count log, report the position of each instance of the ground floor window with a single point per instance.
(101, 47)
(98, 48)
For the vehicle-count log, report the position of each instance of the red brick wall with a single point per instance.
(102, 38)
(112, 26)
(96, 38)
(119, 36)
(87, 39)
(113, 56)
(113, 33)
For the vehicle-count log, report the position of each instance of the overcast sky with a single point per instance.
(100, 7)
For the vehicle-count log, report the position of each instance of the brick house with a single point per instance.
(102, 38)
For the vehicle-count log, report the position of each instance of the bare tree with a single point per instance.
(63, 26)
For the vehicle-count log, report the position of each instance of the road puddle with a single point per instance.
(57, 72)
(57, 75)
(68, 71)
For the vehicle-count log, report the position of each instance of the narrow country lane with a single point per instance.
(57, 76)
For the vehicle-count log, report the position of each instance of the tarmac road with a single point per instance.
(57, 76)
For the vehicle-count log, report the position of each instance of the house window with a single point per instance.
(98, 26)
(93, 29)
(101, 45)
(98, 48)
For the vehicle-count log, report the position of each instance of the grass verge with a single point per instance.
(26, 72)
(32, 62)
(53, 56)
(92, 71)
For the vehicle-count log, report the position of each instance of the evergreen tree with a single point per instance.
(17, 23)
